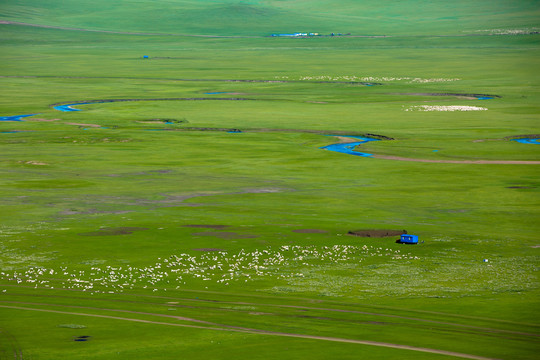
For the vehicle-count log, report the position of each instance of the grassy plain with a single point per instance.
(98, 205)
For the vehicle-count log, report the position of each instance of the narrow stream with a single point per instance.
(348, 148)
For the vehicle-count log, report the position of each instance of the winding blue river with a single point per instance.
(528, 141)
(14, 117)
(68, 107)
(344, 148)
(348, 148)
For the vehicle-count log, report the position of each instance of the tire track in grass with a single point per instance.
(318, 301)
(14, 344)
(265, 332)
(478, 330)
(500, 162)
(270, 297)
(182, 318)
(491, 330)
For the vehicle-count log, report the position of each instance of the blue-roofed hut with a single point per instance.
(408, 239)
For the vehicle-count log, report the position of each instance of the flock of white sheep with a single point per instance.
(218, 267)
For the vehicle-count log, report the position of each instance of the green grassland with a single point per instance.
(257, 17)
(145, 224)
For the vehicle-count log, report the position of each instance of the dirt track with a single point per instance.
(264, 332)
(510, 162)
(427, 322)
(12, 344)
(272, 297)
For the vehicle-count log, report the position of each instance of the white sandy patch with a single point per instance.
(433, 80)
(445, 108)
(509, 31)
(32, 162)
(410, 79)
(346, 140)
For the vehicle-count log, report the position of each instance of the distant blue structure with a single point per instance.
(408, 239)
(145, 57)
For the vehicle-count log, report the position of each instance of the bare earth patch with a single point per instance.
(113, 231)
(33, 162)
(87, 125)
(38, 119)
(513, 137)
(225, 235)
(376, 233)
(484, 140)
(346, 140)
(514, 162)
(217, 227)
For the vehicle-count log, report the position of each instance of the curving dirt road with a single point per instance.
(265, 332)
(428, 322)
(510, 162)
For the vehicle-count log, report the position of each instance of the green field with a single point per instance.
(188, 210)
